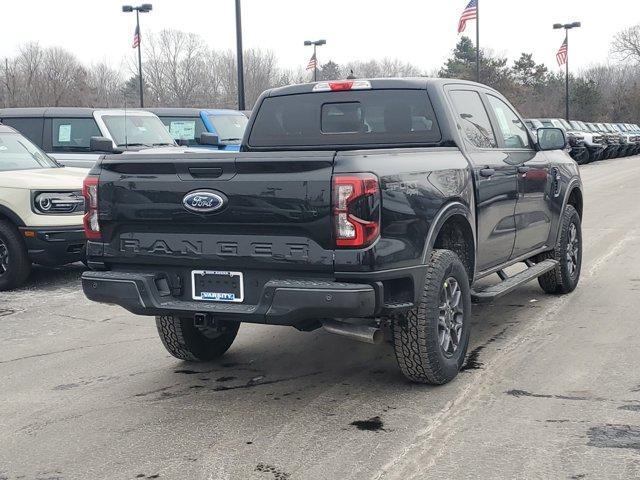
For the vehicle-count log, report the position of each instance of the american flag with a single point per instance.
(562, 54)
(313, 63)
(469, 13)
(136, 38)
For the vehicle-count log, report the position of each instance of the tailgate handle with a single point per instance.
(205, 172)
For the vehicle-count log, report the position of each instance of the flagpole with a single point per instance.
(566, 39)
(139, 59)
(478, 41)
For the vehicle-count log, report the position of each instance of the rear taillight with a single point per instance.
(356, 209)
(90, 219)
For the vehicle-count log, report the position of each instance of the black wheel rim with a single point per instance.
(4, 258)
(573, 250)
(450, 317)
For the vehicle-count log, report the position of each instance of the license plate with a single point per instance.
(217, 286)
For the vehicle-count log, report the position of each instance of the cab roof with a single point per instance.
(413, 83)
(68, 112)
(190, 112)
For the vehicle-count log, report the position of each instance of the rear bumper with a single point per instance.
(54, 245)
(282, 302)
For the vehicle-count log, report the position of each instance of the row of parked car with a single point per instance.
(76, 137)
(589, 142)
(42, 204)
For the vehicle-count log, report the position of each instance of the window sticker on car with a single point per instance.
(64, 133)
(183, 130)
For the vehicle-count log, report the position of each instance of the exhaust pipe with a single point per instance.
(361, 333)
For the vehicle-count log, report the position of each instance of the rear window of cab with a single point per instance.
(350, 118)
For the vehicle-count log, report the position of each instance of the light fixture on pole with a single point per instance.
(314, 60)
(563, 57)
(144, 8)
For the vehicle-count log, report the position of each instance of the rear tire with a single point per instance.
(419, 336)
(568, 251)
(185, 341)
(15, 265)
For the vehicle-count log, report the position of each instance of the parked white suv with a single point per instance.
(41, 210)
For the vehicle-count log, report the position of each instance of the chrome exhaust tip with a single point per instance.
(361, 333)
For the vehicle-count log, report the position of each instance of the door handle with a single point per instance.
(487, 172)
(523, 169)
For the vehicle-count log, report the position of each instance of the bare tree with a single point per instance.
(105, 86)
(626, 44)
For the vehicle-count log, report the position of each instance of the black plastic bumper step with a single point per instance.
(511, 283)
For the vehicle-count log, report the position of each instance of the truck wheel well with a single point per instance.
(456, 235)
(575, 199)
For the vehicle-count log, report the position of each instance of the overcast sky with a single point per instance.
(422, 32)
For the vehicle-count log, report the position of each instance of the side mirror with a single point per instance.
(551, 139)
(208, 138)
(101, 144)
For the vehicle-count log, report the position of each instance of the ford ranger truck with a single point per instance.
(370, 208)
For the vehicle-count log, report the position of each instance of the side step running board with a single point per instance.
(511, 283)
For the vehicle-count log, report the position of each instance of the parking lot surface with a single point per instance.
(551, 388)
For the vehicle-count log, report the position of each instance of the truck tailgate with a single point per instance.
(276, 211)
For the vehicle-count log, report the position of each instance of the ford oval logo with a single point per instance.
(204, 201)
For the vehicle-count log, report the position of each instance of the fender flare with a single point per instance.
(12, 216)
(573, 184)
(445, 213)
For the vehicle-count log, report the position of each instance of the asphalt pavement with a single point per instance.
(550, 390)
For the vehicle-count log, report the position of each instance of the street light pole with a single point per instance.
(315, 68)
(567, 27)
(144, 8)
(239, 61)
(315, 43)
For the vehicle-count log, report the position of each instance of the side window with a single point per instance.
(185, 128)
(473, 118)
(513, 131)
(29, 127)
(73, 134)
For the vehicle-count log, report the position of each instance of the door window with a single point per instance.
(73, 134)
(187, 129)
(473, 118)
(513, 131)
(29, 127)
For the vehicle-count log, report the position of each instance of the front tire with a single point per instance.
(15, 265)
(185, 341)
(568, 251)
(431, 340)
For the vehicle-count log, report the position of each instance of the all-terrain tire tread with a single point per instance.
(416, 360)
(553, 282)
(184, 341)
(19, 262)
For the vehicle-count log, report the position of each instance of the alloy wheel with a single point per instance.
(451, 315)
(4, 258)
(573, 249)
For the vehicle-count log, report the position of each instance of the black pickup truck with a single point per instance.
(371, 208)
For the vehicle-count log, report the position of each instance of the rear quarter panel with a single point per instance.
(568, 174)
(415, 185)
